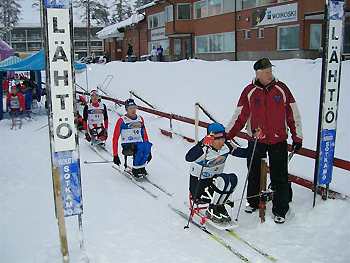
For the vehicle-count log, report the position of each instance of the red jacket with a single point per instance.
(20, 98)
(273, 108)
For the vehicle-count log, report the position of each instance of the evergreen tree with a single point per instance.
(122, 10)
(98, 11)
(139, 3)
(9, 17)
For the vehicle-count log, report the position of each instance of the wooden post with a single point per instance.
(196, 122)
(263, 175)
(60, 215)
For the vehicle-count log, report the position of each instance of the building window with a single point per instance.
(288, 37)
(315, 36)
(214, 7)
(224, 42)
(177, 46)
(183, 11)
(229, 42)
(162, 19)
(200, 9)
(156, 20)
(229, 6)
(163, 43)
(248, 4)
(261, 33)
(201, 44)
(215, 43)
(247, 34)
(134, 40)
(169, 13)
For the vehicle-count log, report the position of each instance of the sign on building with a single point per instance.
(275, 15)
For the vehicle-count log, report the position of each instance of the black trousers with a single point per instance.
(278, 158)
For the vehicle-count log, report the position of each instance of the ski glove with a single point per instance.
(257, 133)
(208, 140)
(87, 137)
(116, 160)
(296, 146)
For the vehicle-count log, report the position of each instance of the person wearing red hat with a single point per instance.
(95, 120)
(15, 103)
(268, 104)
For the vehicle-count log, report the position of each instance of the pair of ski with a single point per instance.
(139, 181)
(221, 241)
(127, 173)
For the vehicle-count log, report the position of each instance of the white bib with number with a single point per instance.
(132, 132)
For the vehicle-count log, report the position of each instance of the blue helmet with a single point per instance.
(129, 102)
(217, 130)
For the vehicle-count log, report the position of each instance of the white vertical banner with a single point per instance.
(59, 42)
(330, 92)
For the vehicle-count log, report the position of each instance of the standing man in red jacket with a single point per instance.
(268, 103)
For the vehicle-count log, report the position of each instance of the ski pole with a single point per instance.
(290, 156)
(197, 188)
(87, 162)
(246, 180)
(40, 128)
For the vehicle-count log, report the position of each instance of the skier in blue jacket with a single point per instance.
(208, 159)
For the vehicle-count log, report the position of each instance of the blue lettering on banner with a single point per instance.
(68, 167)
(326, 156)
(57, 3)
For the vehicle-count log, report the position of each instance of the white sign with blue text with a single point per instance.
(336, 13)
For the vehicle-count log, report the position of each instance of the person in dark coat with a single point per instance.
(129, 52)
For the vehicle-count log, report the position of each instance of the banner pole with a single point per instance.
(60, 215)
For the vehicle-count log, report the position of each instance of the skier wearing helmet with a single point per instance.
(208, 182)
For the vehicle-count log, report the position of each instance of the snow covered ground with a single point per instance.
(124, 224)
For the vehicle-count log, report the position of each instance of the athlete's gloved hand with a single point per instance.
(87, 137)
(297, 146)
(208, 140)
(257, 133)
(116, 160)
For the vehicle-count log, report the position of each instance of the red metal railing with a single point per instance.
(342, 164)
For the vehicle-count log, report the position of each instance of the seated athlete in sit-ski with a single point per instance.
(208, 159)
(131, 128)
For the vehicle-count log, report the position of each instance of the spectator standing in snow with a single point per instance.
(129, 52)
(160, 53)
(268, 103)
(154, 54)
(106, 56)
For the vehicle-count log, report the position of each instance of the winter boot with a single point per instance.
(143, 172)
(214, 214)
(249, 209)
(136, 173)
(279, 219)
(224, 214)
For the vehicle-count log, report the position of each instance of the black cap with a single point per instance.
(262, 63)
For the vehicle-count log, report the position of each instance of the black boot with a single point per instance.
(136, 173)
(214, 214)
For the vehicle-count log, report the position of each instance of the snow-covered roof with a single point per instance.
(146, 5)
(112, 30)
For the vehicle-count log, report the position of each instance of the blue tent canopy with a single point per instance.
(36, 63)
(33, 63)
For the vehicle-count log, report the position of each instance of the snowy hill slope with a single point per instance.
(124, 224)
